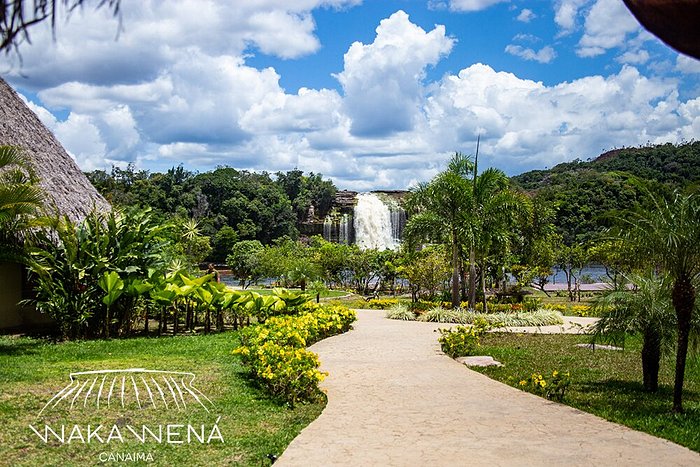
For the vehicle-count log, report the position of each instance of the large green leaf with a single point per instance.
(112, 285)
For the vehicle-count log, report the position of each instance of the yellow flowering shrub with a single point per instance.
(276, 353)
(580, 310)
(381, 303)
(554, 389)
(463, 340)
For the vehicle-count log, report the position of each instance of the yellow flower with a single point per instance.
(522, 382)
(555, 373)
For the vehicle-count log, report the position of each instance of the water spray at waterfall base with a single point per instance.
(377, 225)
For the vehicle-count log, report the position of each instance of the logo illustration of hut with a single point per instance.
(134, 388)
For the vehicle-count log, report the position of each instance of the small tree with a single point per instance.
(244, 261)
(667, 233)
(427, 272)
(645, 309)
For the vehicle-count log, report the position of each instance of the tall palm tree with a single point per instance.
(645, 309)
(668, 234)
(495, 210)
(441, 211)
(21, 201)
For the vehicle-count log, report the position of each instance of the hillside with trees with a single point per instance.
(224, 205)
(584, 192)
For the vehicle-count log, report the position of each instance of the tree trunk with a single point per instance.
(567, 273)
(651, 356)
(683, 295)
(455, 271)
(472, 278)
(483, 287)
(220, 320)
(463, 282)
(175, 320)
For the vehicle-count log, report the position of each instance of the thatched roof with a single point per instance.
(69, 190)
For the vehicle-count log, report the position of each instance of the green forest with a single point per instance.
(232, 205)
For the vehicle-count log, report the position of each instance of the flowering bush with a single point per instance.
(276, 355)
(554, 389)
(381, 303)
(462, 341)
(580, 310)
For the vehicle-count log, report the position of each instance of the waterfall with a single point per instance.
(398, 221)
(344, 230)
(373, 224)
(327, 228)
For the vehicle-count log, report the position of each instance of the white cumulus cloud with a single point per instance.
(526, 15)
(607, 25)
(544, 55)
(382, 81)
(472, 5)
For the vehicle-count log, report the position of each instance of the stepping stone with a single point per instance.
(482, 360)
(599, 347)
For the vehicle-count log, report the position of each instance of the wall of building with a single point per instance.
(13, 316)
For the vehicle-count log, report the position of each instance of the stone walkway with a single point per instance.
(395, 400)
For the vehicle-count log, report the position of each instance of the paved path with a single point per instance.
(395, 400)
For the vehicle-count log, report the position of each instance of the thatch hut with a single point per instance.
(67, 189)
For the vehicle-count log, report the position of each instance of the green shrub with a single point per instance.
(381, 303)
(400, 311)
(537, 318)
(439, 314)
(421, 306)
(462, 341)
(275, 350)
(541, 317)
(554, 389)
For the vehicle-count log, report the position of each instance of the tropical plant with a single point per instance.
(498, 213)
(668, 235)
(440, 210)
(479, 215)
(400, 311)
(89, 276)
(645, 309)
(439, 314)
(21, 201)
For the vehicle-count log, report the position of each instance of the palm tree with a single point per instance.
(21, 201)
(668, 234)
(494, 211)
(441, 210)
(647, 310)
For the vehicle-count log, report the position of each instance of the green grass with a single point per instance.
(32, 371)
(605, 383)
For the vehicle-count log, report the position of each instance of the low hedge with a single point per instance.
(276, 353)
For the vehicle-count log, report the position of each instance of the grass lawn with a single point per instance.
(605, 383)
(32, 371)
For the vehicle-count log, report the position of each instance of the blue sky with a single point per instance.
(374, 94)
